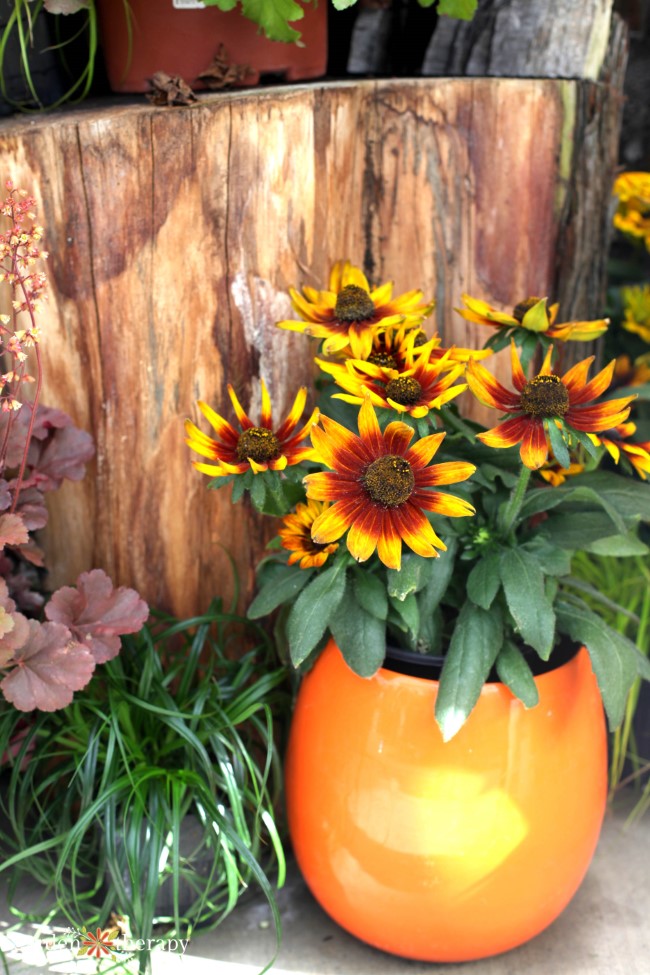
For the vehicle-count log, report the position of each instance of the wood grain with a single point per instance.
(174, 235)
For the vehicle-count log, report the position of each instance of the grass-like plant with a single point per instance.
(178, 730)
(620, 589)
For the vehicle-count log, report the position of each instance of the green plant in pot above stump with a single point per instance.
(447, 766)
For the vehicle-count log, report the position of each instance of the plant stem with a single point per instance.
(509, 513)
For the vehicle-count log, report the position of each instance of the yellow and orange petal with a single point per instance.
(351, 313)
(419, 387)
(555, 475)
(296, 536)
(533, 315)
(566, 399)
(379, 488)
(616, 443)
(257, 448)
(628, 373)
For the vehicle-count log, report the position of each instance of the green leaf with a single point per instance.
(529, 345)
(558, 443)
(273, 16)
(474, 646)
(619, 546)
(514, 671)
(343, 5)
(461, 9)
(258, 492)
(441, 572)
(536, 318)
(280, 588)
(583, 439)
(409, 615)
(484, 581)
(552, 559)
(414, 574)
(523, 584)
(360, 636)
(642, 665)
(313, 611)
(626, 495)
(239, 486)
(370, 593)
(612, 655)
(590, 531)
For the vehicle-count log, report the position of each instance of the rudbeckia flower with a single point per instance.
(395, 348)
(418, 388)
(296, 536)
(547, 397)
(259, 448)
(636, 302)
(533, 315)
(628, 373)
(350, 312)
(633, 214)
(615, 443)
(555, 475)
(380, 488)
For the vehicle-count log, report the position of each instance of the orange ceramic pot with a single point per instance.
(444, 851)
(180, 37)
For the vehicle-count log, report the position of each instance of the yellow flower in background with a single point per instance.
(259, 448)
(533, 315)
(628, 373)
(351, 313)
(633, 214)
(636, 304)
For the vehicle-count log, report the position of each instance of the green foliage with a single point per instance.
(159, 781)
(17, 34)
(473, 649)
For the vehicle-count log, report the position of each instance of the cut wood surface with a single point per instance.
(174, 235)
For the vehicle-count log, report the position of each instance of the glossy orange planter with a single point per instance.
(180, 39)
(444, 851)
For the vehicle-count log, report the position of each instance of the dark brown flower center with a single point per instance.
(353, 304)
(405, 390)
(545, 396)
(520, 310)
(259, 444)
(389, 480)
(420, 339)
(383, 359)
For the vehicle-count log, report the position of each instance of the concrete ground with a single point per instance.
(604, 931)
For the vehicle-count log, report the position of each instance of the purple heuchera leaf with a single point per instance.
(97, 614)
(5, 495)
(31, 508)
(13, 530)
(58, 449)
(14, 628)
(64, 454)
(48, 669)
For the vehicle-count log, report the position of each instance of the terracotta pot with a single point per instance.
(444, 851)
(184, 40)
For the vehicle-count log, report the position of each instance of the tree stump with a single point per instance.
(174, 235)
